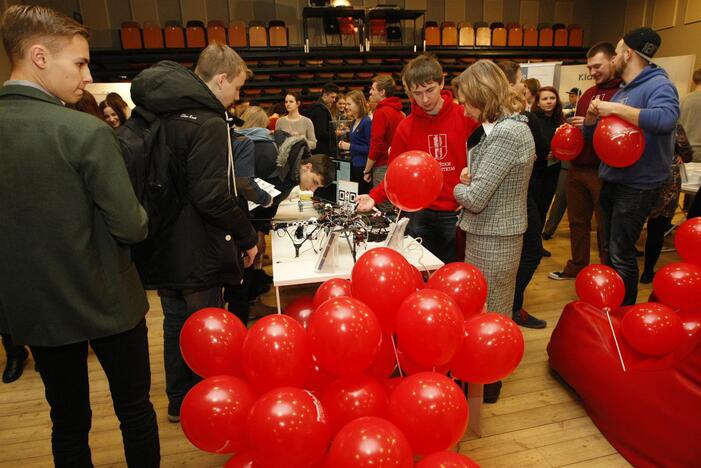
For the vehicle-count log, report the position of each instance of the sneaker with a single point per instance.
(559, 275)
(647, 277)
(526, 320)
(174, 418)
(546, 253)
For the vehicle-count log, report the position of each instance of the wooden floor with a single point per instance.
(536, 422)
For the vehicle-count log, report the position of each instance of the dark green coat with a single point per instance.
(67, 212)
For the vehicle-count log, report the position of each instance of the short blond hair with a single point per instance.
(24, 24)
(359, 99)
(254, 117)
(218, 58)
(484, 86)
(385, 83)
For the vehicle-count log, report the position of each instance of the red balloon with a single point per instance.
(652, 328)
(687, 240)
(345, 335)
(420, 283)
(243, 459)
(392, 384)
(385, 361)
(600, 286)
(287, 428)
(464, 283)
(411, 367)
(276, 353)
(214, 414)
(491, 350)
(691, 323)
(300, 309)
(382, 278)
(617, 142)
(336, 287)
(318, 380)
(447, 460)
(567, 143)
(370, 442)
(678, 285)
(431, 410)
(351, 397)
(429, 327)
(413, 180)
(210, 342)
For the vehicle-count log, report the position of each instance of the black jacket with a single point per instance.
(200, 249)
(320, 115)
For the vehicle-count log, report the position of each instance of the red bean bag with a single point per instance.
(652, 412)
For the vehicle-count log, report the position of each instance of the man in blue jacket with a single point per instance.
(650, 101)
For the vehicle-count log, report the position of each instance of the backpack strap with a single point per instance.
(230, 172)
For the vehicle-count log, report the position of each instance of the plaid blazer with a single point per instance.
(501, 164)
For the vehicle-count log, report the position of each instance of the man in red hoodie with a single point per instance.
(438, 126)
(385, 119)
(583, 181)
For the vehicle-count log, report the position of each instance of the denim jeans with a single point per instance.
(625, 210)
(177, 307)
(64, 370)
(531, 253)
(437, 231)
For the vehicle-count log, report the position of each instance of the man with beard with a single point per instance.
(650, 101)
(583, 181)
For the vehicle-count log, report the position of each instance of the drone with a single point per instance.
(356, 228)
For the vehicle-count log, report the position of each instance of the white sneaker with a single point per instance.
(559, 275)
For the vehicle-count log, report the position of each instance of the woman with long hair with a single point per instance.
(494, 186)
(548, 109)
(113, 112)
(295, 123)
(359, 136)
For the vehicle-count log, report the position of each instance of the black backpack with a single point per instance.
(153, 172)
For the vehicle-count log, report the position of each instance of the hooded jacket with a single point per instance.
(444, 136)
(199, 250)
(654, 94)
(385, 120)
(605, 91)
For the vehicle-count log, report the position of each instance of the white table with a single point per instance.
(693, 173)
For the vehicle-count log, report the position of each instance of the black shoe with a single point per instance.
(546, 253)
(526, 320)
(14, 368)
(647, 277)
(546, 236)
(491, 392)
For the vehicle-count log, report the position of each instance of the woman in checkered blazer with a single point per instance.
(494, 185)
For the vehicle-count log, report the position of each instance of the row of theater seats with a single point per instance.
(256, 34)
(501, 35)
(195, 35)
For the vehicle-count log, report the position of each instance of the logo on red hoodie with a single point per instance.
(438, 145)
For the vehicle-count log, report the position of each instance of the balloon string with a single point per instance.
(396, 356)
(618, 348)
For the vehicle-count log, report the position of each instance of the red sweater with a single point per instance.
(443, 136)
(385, 120)
(588, 158)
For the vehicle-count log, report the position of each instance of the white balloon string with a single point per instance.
(615, 340)
(396, 356)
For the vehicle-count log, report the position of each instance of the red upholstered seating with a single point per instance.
(652, 413)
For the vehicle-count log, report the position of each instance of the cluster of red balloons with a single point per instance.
(413, 180)
(617, 142)
(653, 329)
(314, 386)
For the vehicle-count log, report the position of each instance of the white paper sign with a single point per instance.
(346, 192)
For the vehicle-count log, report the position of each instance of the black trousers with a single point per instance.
(357, 176)
(531, 253)
(656, 227)
(64, 370)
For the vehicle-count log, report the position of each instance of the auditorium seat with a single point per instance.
(175, 38)
(216, 32)
(194, 35)
(130, 34)
(237, 34)
(466, 34)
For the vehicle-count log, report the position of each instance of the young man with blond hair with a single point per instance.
(191, 259)
(438, 126)
(68, 216)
